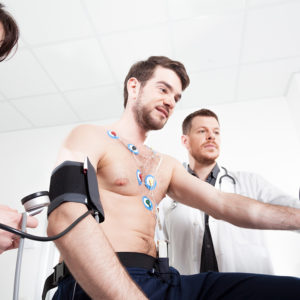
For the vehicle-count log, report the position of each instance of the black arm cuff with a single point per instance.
(73, 182)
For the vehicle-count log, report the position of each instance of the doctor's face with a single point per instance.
(203, 139)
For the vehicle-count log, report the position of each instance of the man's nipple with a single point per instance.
(121, 181)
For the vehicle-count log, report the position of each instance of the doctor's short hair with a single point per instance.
(143, 71)
(187, 122)
(11, 33)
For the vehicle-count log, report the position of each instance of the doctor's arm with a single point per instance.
(85, 249)
(236, 209)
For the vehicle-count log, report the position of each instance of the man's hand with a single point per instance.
(12, 218)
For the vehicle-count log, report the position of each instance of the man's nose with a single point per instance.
(210, 135)
(169, 101)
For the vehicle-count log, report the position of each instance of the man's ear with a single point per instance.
(133, 87)
(185, 141)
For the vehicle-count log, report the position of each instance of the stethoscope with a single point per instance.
(228, 176)
(174, 203)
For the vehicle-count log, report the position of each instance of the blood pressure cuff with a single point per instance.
(73, 181)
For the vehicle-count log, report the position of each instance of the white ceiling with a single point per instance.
(73, 55)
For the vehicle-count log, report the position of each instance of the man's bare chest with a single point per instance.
(130, 170)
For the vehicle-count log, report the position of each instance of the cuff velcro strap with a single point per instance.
(75, 182)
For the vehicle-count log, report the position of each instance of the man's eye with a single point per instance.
(163, 90)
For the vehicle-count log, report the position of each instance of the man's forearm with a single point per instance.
(245, 212)
(90, 257)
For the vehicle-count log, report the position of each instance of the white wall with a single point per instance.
(257, 136)
(293, 100)
(27, 158)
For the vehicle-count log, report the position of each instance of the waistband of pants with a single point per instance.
(127, 259)
(136, 260)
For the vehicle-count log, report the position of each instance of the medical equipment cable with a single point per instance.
(74, 290)
(19, 259)
(34, 204)
(23, 234)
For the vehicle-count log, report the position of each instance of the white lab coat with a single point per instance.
(237, 249)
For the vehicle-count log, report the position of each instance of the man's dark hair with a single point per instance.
(143, 71)
(187, 122)
(11, 33)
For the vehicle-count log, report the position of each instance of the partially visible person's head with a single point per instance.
(9, 33)
(144, 70)
(187, 122)
(201, 135)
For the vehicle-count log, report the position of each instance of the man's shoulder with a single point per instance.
(88, 133)
(170, 160)
(84, 140)
(169, 157)
(89, 129)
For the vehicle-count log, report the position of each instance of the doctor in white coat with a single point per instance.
(234, 249)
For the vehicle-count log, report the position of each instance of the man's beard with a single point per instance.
(205, 160)
(143, 116)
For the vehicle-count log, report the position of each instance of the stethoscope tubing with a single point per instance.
(226, 175)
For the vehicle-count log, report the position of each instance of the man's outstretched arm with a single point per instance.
(233, 208)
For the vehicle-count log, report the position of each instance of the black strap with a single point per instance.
(60, 271)
(73, 181)
(141, 260)
(127, 259)
(136, 260)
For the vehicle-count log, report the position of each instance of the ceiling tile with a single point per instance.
(47, 110)
(48, 21)
(23, 76)
(272, 32)
(208, 42)
(10, 119)
(73, 65)
(179, 9)
(210, 87)
(97, 103)
(57, 53)
(267, 79)
(127, 48)
(114, 15)
(258, 3)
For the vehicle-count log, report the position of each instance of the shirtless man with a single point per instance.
(132, 180)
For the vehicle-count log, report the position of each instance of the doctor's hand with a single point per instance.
(12, 218)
